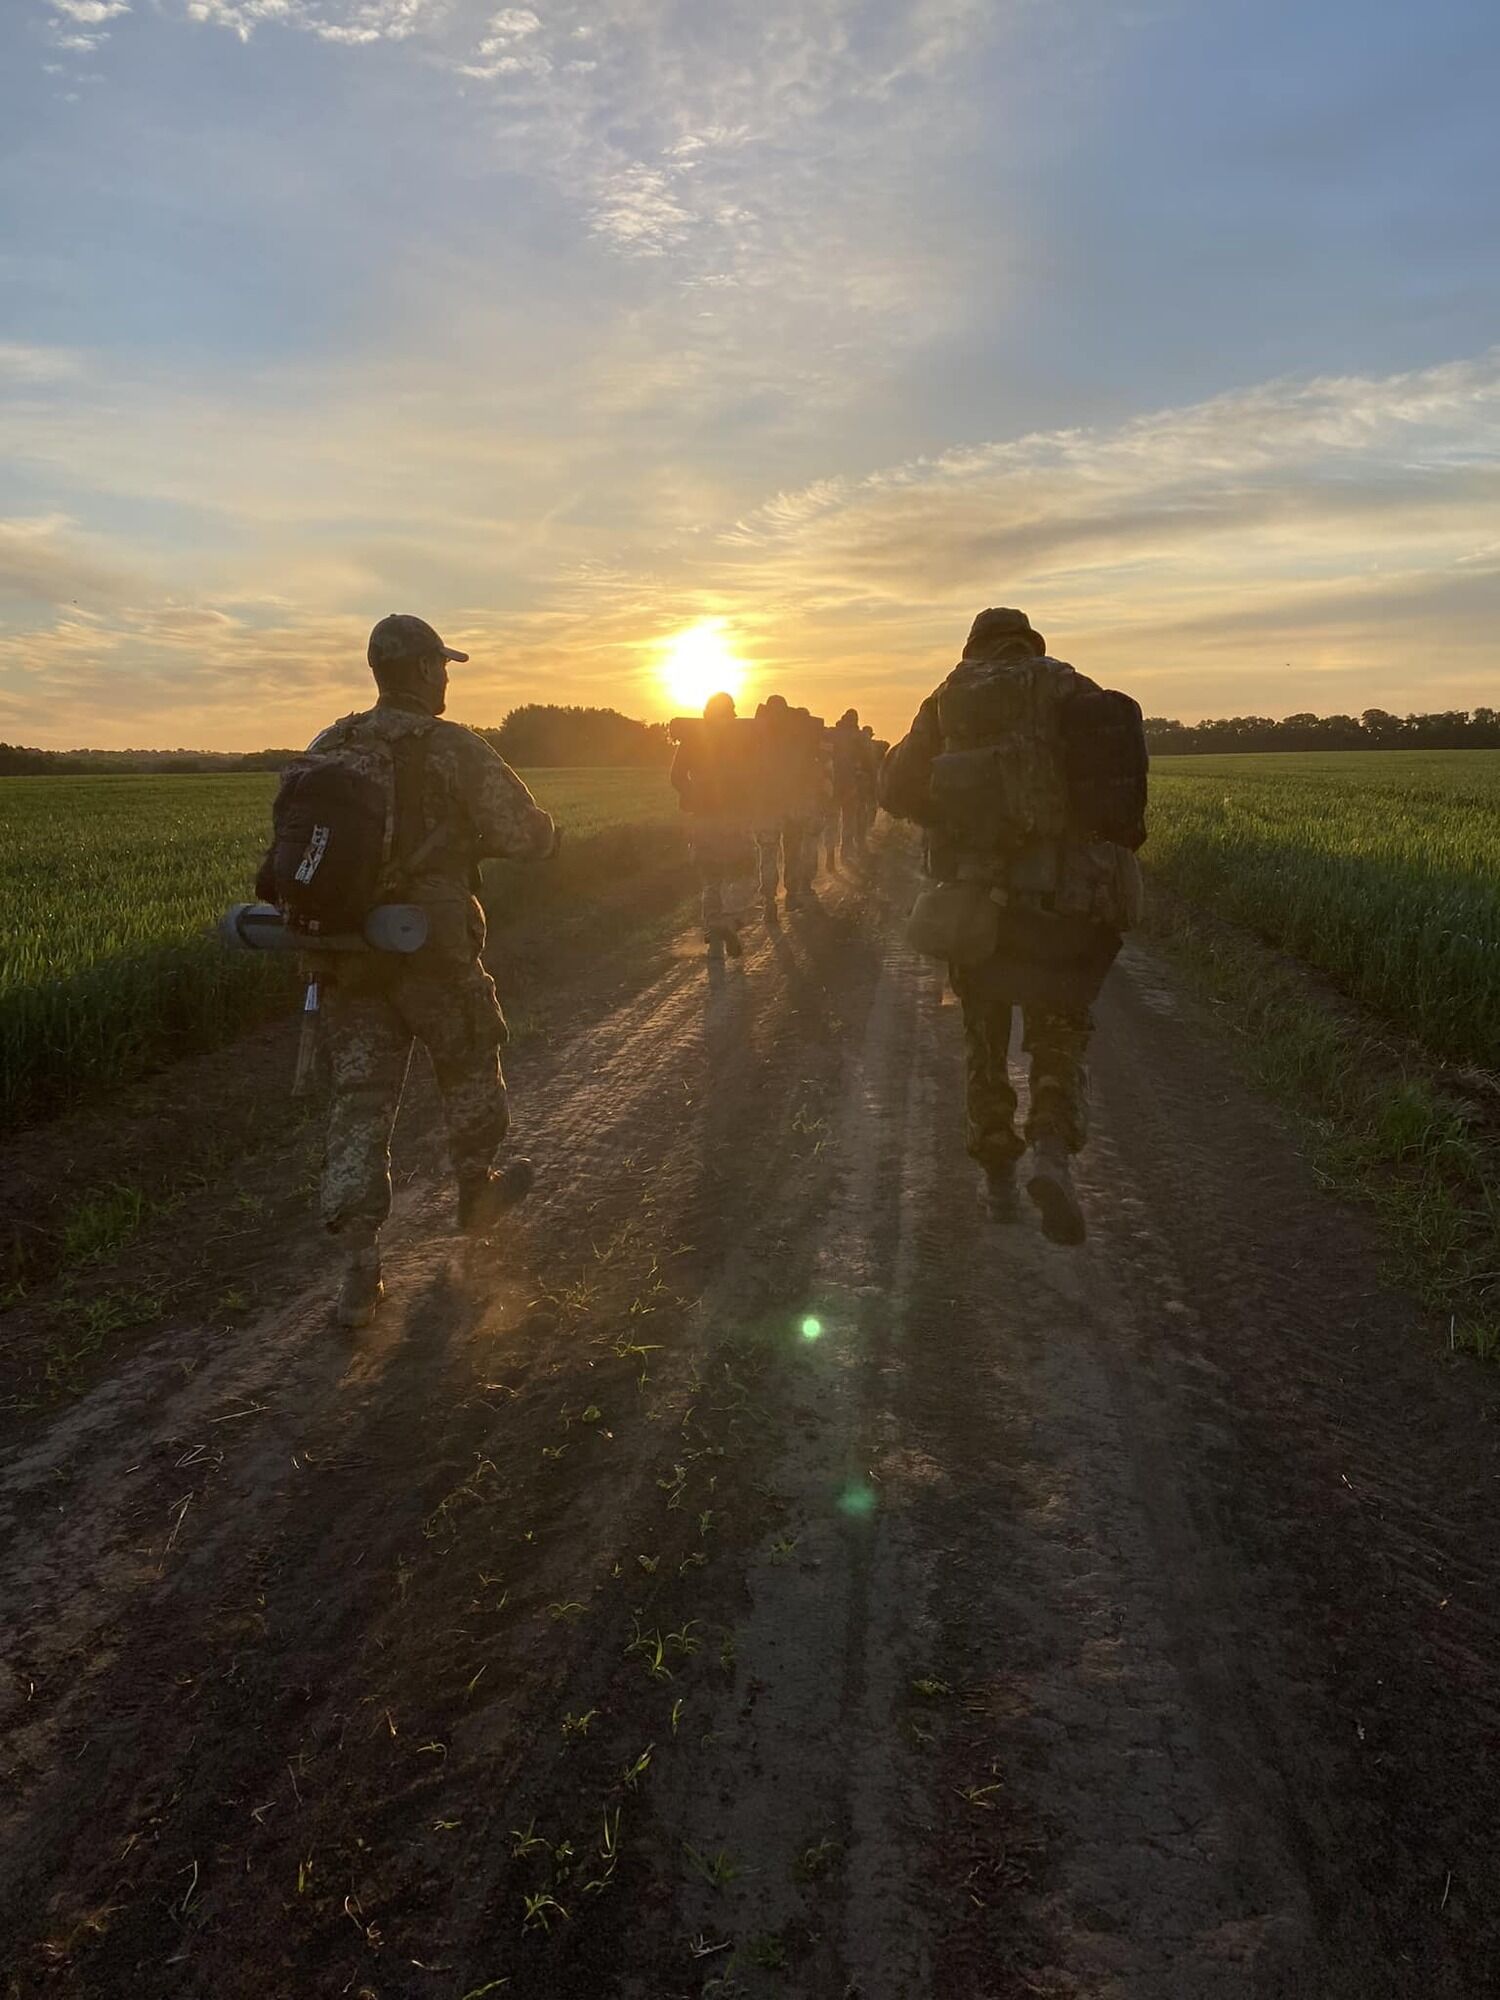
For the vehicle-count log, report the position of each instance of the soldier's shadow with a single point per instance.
(726, 1004)
(818, 952)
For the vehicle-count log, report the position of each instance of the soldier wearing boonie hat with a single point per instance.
(457, 804)
(1016, 767)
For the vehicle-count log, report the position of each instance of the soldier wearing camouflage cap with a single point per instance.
(465, 805)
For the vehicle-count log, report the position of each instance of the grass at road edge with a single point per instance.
(1416, 1141)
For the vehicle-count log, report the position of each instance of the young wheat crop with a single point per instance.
(109, 887)
(1381, 869)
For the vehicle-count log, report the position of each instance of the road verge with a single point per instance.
(1416, 1139)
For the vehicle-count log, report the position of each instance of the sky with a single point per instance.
(814, 325)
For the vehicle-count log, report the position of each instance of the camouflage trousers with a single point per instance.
(787, 855)
(724, 859)
(1057, 1040)
(371, 1018)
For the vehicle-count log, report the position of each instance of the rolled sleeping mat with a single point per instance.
(390, 927)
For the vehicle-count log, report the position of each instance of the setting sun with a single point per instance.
(698, 662)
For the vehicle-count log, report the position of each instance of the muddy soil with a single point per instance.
(760, 1574)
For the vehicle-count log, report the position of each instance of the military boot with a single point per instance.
(732, 943)
(1049, 1182)
(482, 1201)
(362, 1289)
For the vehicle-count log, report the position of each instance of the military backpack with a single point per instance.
(1030, 756)
(347, 829)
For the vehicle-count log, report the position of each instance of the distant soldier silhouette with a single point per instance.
(788, 801)
(438, 801)
(1030, 781)
(875, 752)
(714, 775)
(855, 779)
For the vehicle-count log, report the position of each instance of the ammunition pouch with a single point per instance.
(1100, 880)
(974, 796)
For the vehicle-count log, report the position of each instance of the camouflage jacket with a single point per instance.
(469, 794)
(1056, 867)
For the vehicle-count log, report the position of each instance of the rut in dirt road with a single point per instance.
(767, 1576)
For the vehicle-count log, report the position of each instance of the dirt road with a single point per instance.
(761, 1574)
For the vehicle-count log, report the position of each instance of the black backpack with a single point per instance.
(347, 833)
(1105, 763)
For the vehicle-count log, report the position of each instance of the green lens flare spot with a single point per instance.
(857, 1500)
(811, 1328)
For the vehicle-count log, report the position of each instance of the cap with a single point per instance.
(992, 627)
(401, 638)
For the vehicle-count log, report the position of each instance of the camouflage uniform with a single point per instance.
(376, 1006)
(1055, 1033)
(1057, 1041)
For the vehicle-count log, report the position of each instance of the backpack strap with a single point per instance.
(410, 845)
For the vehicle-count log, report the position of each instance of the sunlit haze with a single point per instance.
(812, 324)
(700, 662)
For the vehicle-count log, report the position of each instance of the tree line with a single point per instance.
(17, 761)
(1374, 729)
(533, 737)
(540, 735)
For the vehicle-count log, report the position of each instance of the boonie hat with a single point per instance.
(401, 637)
(996, 624)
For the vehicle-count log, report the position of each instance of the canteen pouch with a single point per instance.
(955, 921)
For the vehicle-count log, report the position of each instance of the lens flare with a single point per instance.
(857, 1500)
(811, 1328)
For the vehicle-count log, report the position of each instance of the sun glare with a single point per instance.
(698, 662)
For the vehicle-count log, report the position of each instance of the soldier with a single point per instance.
(825, 841)
(1030, 780)
(454, 803)
(853, 785)
(713, 777)
(869, 779)
(788, 803)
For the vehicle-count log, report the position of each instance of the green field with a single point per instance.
(107, 887)
(1381, 869)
